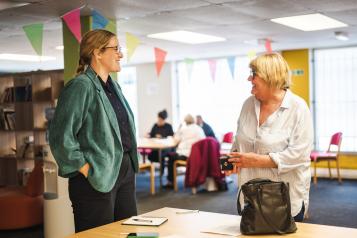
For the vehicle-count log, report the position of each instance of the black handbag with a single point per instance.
(266, 209)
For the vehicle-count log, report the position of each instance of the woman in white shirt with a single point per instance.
(275, 134)
(186, 136)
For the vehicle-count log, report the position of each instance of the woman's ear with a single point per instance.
(97, 54)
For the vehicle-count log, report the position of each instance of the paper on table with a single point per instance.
(145, 221)
(231, 229)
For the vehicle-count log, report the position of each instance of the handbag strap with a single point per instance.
(239, 208)
(277, 230)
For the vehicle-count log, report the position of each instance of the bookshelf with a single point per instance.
(24, 98)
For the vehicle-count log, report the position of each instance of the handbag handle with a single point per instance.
(277, 230)
(239, 207)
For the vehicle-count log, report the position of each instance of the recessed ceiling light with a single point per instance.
(29, 58)
(186, 37)
(59, 47)
(340, 35)
(310, 22)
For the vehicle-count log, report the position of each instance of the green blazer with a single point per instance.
(85, 130)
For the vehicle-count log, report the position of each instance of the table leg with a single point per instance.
(160, 161)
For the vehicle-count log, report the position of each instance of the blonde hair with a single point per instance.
(189, 119)
(273, 69)
(95, 39)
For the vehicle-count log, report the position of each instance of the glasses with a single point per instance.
(253, 73)
(116, 48)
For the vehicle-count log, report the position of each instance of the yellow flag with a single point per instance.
(131, 43)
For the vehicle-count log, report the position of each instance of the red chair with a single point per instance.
(228, 137)
(22, 207)
(328, 156)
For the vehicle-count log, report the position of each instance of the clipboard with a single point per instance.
(145, 221)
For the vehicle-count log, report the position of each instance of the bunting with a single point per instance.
(212, 63)
(231, 63)
(159, 59)
(268, 45)
(34, 33)
(72, 20)
(131, 43)
(251, 54)
(99, 21)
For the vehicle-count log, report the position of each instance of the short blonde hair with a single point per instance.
(273, 69)
(189, 119)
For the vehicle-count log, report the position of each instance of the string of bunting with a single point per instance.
(34, 33)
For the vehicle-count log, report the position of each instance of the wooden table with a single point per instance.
(191, 224)
(156, 144)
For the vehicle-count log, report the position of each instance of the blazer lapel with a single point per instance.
(105, 101)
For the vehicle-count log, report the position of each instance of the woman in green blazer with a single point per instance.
(92, 137)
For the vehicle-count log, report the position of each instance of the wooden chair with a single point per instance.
(328, 156)
(178, 163)
(149, 167)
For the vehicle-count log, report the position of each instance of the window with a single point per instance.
(335, 97)
(220, 101)
(127, 81)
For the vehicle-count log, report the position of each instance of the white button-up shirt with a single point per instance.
(287, 137)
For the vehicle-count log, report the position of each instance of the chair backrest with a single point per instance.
(228, 137)
(336, 140)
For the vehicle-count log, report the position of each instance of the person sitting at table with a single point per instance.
(186, 136)
(161, 129)
(206, 128)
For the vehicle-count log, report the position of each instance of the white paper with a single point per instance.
(231, 229)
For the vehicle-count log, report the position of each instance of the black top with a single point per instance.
(208, 130)
(120, 112)
(164, 131)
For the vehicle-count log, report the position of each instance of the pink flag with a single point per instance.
(212, 67)
(72, 19)
(268, 45)
(159, 59)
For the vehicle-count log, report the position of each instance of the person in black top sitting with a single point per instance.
(161, 129)
(206, 128)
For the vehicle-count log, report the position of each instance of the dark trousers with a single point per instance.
(172, 158)
(154, 157)
(300, 216)
(92, 208)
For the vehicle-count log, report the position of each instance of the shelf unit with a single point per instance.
(23, 100)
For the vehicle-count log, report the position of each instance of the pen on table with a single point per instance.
(186, 212)
(141, 220)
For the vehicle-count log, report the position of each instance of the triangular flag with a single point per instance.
(251, 54)
(99, 22)
(159, 59)
(72, 19)
(34, 33)
(189, 66)
(268, 45)
(131, 43)
(231, 63)
(111, 27)
(212, 67)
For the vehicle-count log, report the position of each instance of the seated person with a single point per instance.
(161, 129)
(186, 136)
(206, 128)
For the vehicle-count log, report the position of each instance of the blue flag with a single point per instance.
(99, 22)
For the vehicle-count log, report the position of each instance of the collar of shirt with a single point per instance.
(106, 85)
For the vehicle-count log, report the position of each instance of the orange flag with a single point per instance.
(159, 59)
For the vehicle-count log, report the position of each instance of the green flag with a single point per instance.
(34, 33)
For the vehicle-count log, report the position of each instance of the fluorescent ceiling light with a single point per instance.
(186, 37)
(310, 22)
(9, 4)
(59, 47)
(29, 58)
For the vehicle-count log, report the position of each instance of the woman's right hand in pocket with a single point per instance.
(84, 170)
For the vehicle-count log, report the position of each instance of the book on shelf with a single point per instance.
(7, 118)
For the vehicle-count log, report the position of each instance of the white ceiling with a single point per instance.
(236, 20)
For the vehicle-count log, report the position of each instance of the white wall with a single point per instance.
(154, 95)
